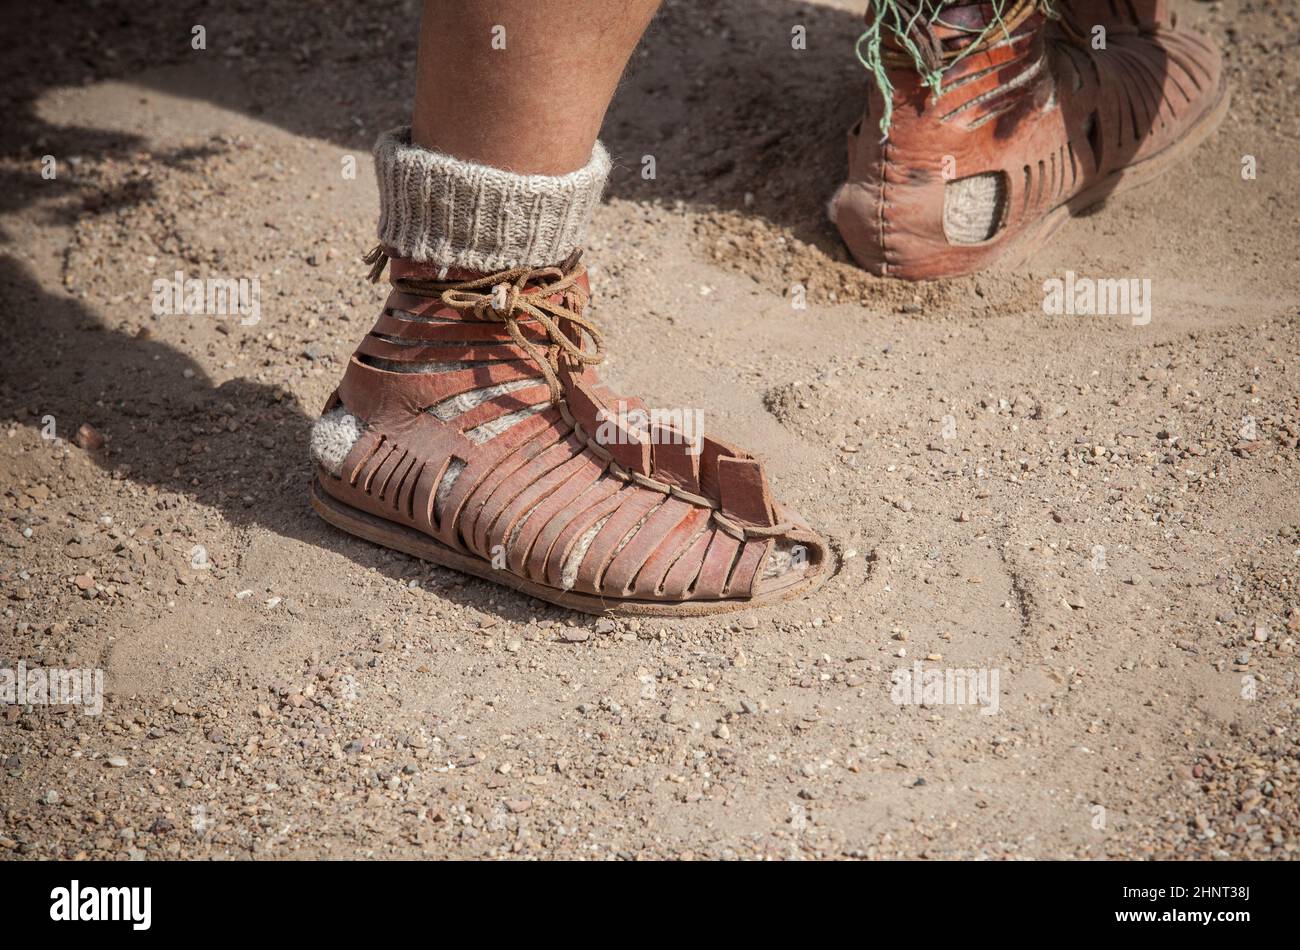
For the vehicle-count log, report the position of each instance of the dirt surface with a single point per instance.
(1106, 514)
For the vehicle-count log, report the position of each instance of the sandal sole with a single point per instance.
(409, 541)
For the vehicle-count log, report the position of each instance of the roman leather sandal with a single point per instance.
(1036, 119)
(480, 438)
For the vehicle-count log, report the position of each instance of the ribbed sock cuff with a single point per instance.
(440, 210)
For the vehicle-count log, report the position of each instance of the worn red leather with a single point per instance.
(675, 526)
(1059, 121)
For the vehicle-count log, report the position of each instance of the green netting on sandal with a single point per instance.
(900, 20)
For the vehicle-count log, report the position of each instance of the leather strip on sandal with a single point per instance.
(563, 499)
(1034, 122)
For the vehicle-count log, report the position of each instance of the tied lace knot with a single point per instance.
(537, 295)
(544, 296)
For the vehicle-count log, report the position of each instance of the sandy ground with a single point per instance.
(1106, 514)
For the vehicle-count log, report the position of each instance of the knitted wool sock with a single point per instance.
(437, 209)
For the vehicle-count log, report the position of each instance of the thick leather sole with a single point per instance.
(412, 542)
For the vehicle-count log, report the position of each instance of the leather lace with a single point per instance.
(520, 294)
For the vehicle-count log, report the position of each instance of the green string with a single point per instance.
(887, 16)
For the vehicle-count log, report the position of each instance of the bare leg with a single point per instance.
(534, 107)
